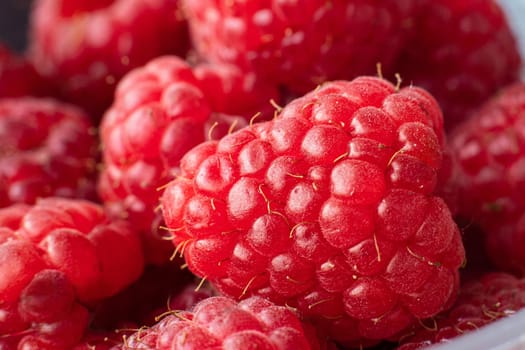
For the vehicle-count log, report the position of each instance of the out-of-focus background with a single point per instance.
(515, 10)
(14, 15)
(13, 22)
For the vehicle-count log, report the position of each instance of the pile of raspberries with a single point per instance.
(260, 175)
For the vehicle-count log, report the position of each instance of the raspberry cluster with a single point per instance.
(232, 174)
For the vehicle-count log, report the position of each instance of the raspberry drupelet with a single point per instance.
(328, 208)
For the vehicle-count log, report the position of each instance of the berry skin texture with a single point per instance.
(160, 112)
(493, 296)
(328, 208)
(301, 44)
(47, 148)
(223, 323)
(17, 76)
(461, 52)
(56, 257)
(84, 47)
(490, 148)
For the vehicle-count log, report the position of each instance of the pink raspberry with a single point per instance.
(86, 46)
(301, 44)
(160, 112)
(493, 296)
(222, 323)
(56, 257)
(17, 76)
(328, 208)
(462, 52)
(47, 148)
(490, 148)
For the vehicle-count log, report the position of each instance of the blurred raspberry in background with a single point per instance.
(14, 18)
(515, 10)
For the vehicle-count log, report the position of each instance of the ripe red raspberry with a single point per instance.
(161, 111)
(86, 46)
(462, 52)
(490, 148)
(17, 76)
(47, 148)
(56, 257)
(301, 43)
(329, 208)
(480, 302)
(222, 323)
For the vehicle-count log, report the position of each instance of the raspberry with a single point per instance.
(48, 148)
(490, 151)
(86, 46)
(161, 111)
(56, 257)
(462, 52)
(480, 302)
(222, 323)
(17, 76)
(328, 208)
(301, 44)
